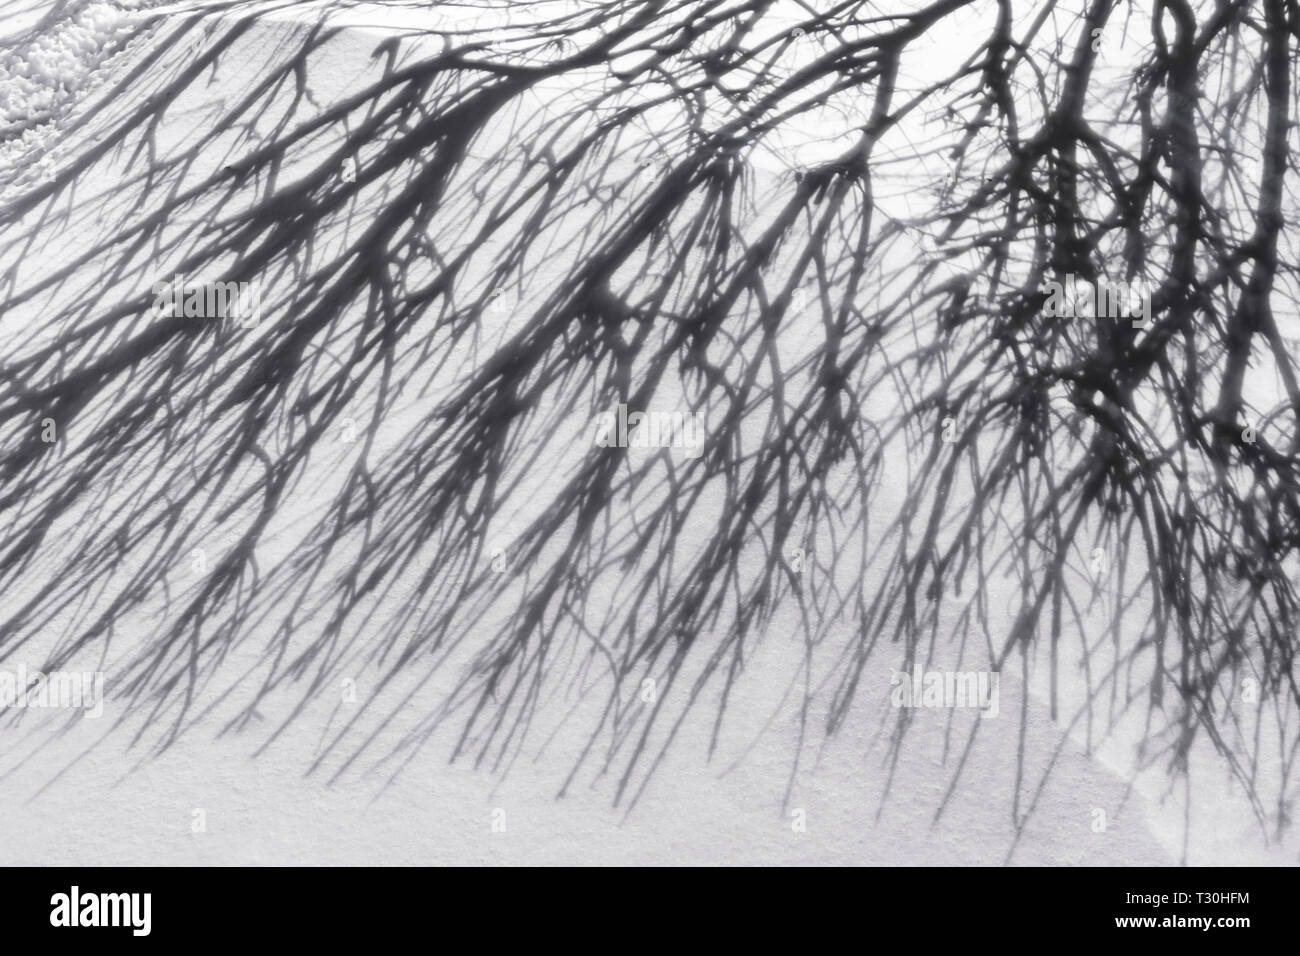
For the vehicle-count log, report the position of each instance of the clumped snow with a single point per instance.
(51, 54)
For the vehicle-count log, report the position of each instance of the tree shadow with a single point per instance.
(889, 414)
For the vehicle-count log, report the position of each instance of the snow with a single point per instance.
(263, 811)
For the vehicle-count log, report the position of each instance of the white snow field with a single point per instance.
(84, 796)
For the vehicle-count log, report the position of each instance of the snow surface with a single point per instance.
(123, 809)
